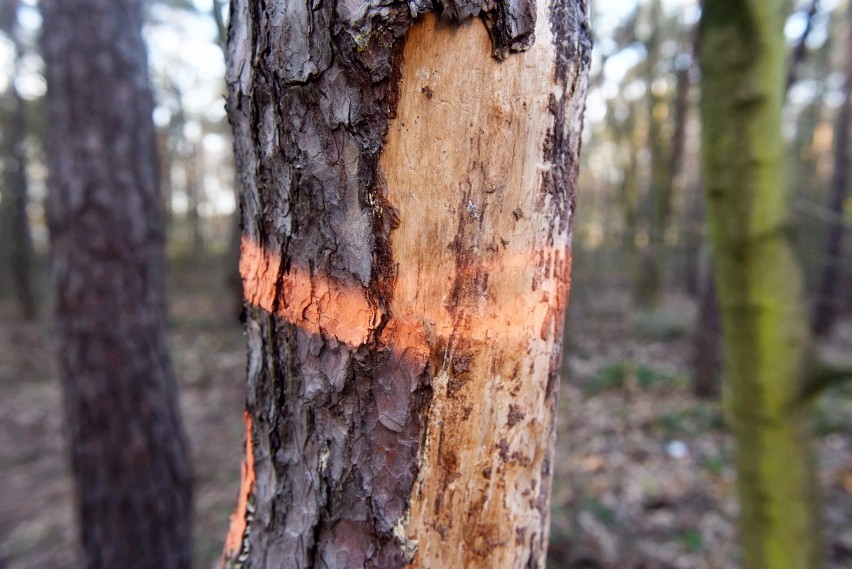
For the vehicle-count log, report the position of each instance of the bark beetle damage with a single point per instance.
(336, 423)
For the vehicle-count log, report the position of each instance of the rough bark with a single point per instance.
(406, 203)
(759, 282)
(17, 247)
(128, 453)
(826, 309)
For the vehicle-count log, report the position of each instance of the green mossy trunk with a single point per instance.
(759, 281)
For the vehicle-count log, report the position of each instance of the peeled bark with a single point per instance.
(759, 282)
(407, 202)
(128, 452)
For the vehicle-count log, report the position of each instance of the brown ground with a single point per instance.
(643, 479)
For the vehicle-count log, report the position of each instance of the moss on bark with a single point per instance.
(759, 281)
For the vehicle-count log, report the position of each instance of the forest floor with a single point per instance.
(644, 475)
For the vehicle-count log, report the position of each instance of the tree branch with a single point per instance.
(823, 374)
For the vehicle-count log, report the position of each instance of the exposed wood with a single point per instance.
(482, 253)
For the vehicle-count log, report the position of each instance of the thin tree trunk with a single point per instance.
(650, 277)
(761, 295)
(706, 345)
(194, 186)
(799, 52)
(14, 219)
(694, 280)
(675, 180)
(826, 309)
(221, 26)
(628, 188)
(407, 204)
(164, 152)
(681, 112)
(128, 452)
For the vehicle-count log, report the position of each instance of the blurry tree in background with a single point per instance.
(16, 248)
(760, 283)
(827, 291)
(187, 67)
(128, 451)
(634, 64)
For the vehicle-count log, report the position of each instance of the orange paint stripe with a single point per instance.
(317, 303)
(239, 522)
(327, 306)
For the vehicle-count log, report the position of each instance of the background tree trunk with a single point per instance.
(17, 247)
(706, 344)
(650, 276)
(407, 203)
(826, 305)
(128, 452)
(759, 282)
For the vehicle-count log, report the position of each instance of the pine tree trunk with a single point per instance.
(128, 452)
(759, 282)
(407, 202)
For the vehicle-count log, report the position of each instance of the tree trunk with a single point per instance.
(17, 241)
(128, 452)
(650, 277)
(407, 203)
(194, 186)
(694, 281)
(826, 306)
(628, 191)
(797, 57)
(706, 348)
(759, 282)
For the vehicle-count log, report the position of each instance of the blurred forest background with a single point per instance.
(645, 472)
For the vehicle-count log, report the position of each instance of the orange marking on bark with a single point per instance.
(239, 523)
(323, 305)
(316, 302)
